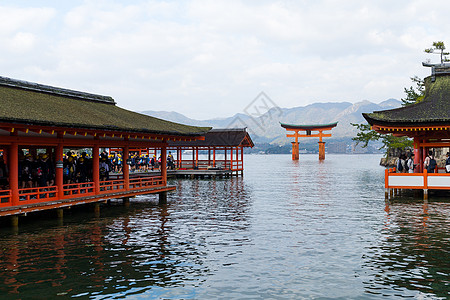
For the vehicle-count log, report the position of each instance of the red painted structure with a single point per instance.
(221, 148)
(307, 129)
(37, 118)
(427, 122)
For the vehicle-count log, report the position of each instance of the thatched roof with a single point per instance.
(434, 109)
(34, 104)
(228, 137)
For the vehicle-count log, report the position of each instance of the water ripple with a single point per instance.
(289, 230)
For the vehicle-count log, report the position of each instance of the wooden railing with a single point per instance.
(423, 180)
(38, 194)
(108, 186)
(143, 182)
(5, 198)
(77, 190)
(73, 190)
(238, 165)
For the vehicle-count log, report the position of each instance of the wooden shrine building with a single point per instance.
(222, 151)
(307, 132)
(428, 123)
(40, 124)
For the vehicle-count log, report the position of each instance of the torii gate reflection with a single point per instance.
(308, 133)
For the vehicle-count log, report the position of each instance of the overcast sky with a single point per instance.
(209, 59)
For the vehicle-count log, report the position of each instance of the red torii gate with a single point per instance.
(308, 129)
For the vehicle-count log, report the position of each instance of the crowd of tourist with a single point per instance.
(405, 163)
(39, 170)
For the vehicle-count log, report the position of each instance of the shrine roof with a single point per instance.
(28, 103)
(229, 137)
(308, 126)
(434, 109)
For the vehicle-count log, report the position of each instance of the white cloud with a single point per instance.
(211, 58)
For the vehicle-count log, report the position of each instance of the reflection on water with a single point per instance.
(125, 252)
(413, 252)
(285, 230)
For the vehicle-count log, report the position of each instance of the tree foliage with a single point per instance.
(366, 134)
(414, 94)
(438, 48)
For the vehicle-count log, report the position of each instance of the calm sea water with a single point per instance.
(286, 230)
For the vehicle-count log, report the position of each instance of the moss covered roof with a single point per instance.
(34, 104)
(434, 109)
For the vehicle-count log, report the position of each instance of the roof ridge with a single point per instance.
(26, 85)
(229, 129)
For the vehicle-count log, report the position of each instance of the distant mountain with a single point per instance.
(390, 104)
(175, 117)
(265, 128)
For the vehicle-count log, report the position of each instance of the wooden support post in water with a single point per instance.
(60, 213)
(97, 209)
(15, 221)
(391, 192)
(60, 216)
(126, 201)
(425, 194)
(162, 198)
(295, 151)
(386, 194)
(321, 150)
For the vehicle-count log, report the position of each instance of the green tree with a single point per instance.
(438, 48)
(366, 135)
(414, 94)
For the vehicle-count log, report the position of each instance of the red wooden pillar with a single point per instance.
(295, 148)
(321, 146)
(96, 168)
(295, 151)
(209, 156)
(164, 165)
(196, 156)
(225, 153)
(59, 176)
(125, 167)
(231, 158)
(417, 156)
(14, 173)
(214, 157)
(321, 150)
(424, 155)
(242, 157)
